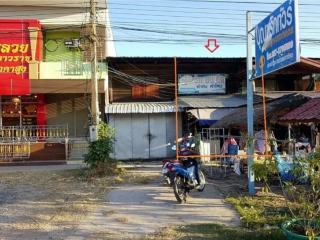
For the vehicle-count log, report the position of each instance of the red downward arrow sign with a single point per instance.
(214, 41)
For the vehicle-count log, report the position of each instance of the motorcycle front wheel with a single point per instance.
(202, 183)
(179, 189)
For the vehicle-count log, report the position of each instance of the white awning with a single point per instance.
(211, 113)
(141, 107)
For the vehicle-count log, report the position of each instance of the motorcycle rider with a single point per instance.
(185, 149)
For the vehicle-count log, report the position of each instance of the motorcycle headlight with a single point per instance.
(164, 170)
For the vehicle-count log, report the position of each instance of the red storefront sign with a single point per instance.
(20, 46)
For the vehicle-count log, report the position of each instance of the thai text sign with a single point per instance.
(201, 83)
(277, 39)
(15, 55)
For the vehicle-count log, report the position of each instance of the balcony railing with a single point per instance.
(70, 70)
(52, 133)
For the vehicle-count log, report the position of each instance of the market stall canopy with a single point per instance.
(306, 113)
(209, 116)
(275, 109)
(141, 107)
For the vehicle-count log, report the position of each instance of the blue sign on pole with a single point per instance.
(277, 39)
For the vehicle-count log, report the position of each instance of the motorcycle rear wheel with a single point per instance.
(179, 189)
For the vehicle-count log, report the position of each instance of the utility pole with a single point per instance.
(249, 29)
(94, 81)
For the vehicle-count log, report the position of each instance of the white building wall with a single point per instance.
(52, 16)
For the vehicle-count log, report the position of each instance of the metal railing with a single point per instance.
(33, 133)
(9, 151)
(77, 147)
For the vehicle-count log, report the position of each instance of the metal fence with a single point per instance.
(9, 151)
(213, 153)
(33, 133)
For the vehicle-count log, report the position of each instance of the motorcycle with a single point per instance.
(188, 176)
(167, 169)
(185, 174)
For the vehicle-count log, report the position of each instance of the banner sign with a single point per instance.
(201, 83)
(277, 39)
(18, 48)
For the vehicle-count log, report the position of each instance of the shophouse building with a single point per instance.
(142, 100)
(45, 72)
(211, 101)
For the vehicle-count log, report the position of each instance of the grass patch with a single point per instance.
(263, 210)
(123, 219)
(108, 213)
(139, 179)
(215, 231)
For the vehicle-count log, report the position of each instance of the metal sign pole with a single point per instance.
(176, 106)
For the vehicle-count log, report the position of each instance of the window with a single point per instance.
(138, 91)
(145, 91)
(152, 91)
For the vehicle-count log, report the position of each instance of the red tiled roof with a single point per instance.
(307, 112)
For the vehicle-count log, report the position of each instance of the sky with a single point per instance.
(181, 28)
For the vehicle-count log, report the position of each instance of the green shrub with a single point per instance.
(100, 150)
(302, 191)
(266, 172)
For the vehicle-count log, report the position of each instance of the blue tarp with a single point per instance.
(284, 168)
(206, 122)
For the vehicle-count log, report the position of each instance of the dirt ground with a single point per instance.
(60, 204)
(46, 204)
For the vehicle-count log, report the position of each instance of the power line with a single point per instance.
(215, 18)
(239, 2)
(213, 12)
(134, 81)
(180, 28)
(215, 8)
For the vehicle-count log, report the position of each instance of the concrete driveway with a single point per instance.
(132, 211)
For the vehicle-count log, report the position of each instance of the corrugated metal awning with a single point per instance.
(141, 107)
(215, 101)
